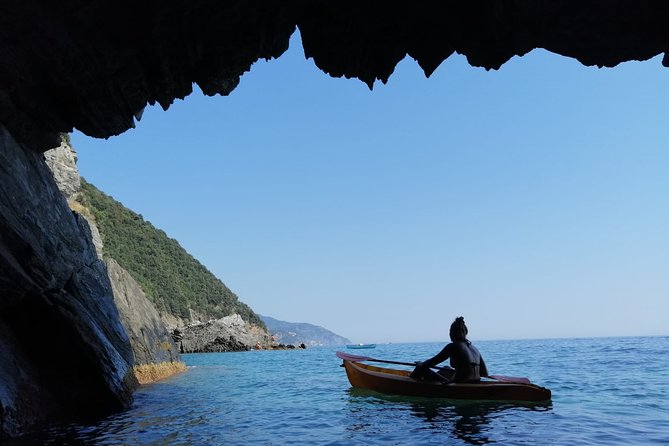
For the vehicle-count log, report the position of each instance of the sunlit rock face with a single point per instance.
(96, 64)
(64, 352)
(228, 334)
(62, 162)
(150, 340)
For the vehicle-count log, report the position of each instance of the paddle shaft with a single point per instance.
(350, 357)
(412, 364)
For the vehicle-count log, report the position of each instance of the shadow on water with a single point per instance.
(101, 433)
(467, 421)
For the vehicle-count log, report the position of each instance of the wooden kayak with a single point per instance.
(398, 382)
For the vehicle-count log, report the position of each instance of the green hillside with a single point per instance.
(171, 278)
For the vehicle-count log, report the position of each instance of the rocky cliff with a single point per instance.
(150, 341)
(64, 351)
(145, 325)
(227, 334)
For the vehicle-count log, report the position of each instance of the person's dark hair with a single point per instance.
(458, 331)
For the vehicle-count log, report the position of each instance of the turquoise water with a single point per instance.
(607, 391)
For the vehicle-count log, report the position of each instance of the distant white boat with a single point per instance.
(361, 346)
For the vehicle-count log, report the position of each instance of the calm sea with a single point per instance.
(606, 391)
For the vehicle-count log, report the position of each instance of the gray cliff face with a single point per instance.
(227, 334)
(64, 351)
(62, 162)
(151, 343)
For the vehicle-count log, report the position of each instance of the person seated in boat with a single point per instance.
(466, 361)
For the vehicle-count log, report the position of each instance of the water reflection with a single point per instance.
(463, 422)
(469, 423)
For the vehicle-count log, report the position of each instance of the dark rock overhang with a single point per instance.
(95, 64)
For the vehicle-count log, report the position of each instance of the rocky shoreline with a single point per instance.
(228, 334)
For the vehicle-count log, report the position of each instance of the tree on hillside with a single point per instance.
(171, 278)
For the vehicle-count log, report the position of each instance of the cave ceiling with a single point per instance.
(94, 65)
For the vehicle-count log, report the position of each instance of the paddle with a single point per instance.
(357, 358)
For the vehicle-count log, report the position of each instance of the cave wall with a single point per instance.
(64, 352)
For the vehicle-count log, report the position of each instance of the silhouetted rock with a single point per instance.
(96, 68)
(64, 351)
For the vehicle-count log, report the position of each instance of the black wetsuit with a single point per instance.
(465, 359)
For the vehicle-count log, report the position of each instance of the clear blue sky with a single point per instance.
(533, 200)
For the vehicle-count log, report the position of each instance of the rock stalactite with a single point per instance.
(94, 65)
